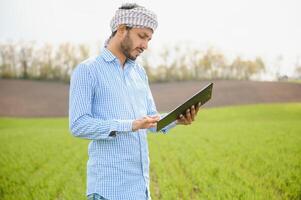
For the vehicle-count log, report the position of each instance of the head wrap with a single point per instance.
(135, 16)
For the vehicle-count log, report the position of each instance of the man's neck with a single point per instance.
(112, 46)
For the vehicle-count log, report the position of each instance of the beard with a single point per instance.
(126, 47)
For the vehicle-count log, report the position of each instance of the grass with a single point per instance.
(243, 152)
(40, 160)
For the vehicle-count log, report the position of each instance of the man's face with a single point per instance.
(135, 42)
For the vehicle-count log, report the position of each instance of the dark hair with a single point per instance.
(128, 6)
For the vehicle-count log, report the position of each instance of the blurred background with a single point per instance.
(257, 40)
(245, 145)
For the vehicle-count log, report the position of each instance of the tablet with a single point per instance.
(201, 96)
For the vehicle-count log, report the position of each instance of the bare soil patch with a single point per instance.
(27, 98)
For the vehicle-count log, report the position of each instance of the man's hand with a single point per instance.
(145, 122)
(189, 115)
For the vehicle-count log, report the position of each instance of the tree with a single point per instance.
(245, 69)
(25, 58)
(298, 69)
(8, 60)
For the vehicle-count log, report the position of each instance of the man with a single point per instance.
(112, 105)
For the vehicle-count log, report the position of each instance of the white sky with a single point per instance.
(249, 28)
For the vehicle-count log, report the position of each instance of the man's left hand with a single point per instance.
(189, 115)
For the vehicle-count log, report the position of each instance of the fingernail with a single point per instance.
(192, 107)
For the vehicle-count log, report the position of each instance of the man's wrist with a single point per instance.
(135, 125)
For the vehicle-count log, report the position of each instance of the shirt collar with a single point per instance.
(131, 62)
(109, 57)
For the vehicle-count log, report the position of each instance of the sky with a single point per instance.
(247, 28)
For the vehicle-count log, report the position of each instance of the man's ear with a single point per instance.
(121, 30)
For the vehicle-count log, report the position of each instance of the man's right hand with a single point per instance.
(145, 122)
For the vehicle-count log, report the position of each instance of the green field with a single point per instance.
(243, 152)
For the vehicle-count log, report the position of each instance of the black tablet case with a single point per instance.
(201, 96)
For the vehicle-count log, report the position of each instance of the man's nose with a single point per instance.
(144, 45)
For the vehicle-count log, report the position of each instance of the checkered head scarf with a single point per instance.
(133, 15)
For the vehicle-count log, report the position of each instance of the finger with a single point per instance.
(155, 117)
(192, 113)
(182, 119)
(188, 116)
(152, 125)
(149, 125)
(151, 120)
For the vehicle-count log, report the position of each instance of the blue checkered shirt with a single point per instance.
(104, 100)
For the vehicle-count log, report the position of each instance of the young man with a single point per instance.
(112, 105)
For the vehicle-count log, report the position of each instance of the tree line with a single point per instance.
(44, 62)
(28, 60)
(181, 64)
